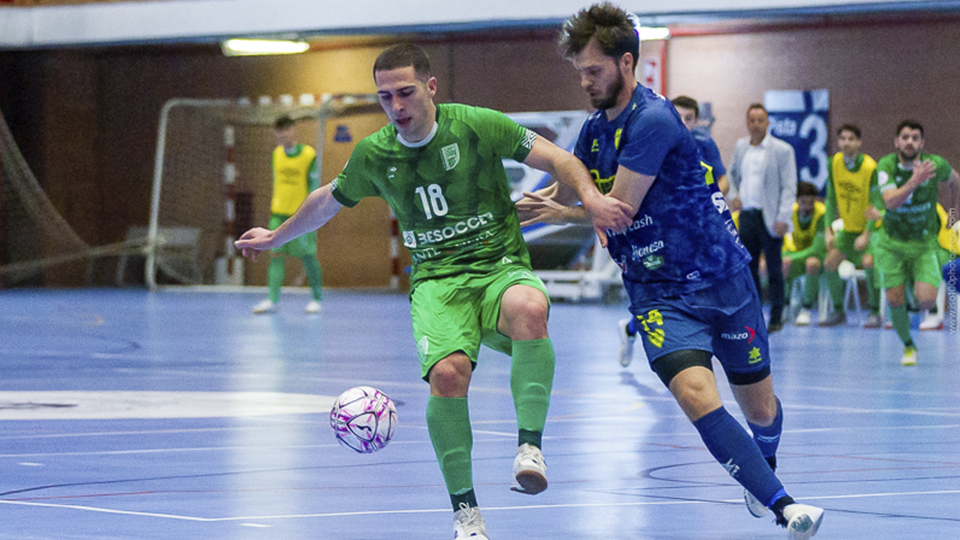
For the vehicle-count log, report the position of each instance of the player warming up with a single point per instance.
(439, 167)
(294, 176)
(683, 265)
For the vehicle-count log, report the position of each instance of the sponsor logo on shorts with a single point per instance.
(755, 356)
(652, 262)
(748, 335)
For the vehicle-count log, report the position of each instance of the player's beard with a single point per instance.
(609, 100)
(908, 159)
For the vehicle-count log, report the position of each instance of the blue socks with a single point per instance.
(768, 438)
(730, 444)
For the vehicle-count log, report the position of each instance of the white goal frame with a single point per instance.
(260, 112)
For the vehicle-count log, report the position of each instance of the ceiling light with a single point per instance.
(254, 47)
(652, 33)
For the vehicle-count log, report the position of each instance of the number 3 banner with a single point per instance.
(800, 117)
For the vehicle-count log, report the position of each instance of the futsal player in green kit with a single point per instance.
(906, 250)
(439, 167)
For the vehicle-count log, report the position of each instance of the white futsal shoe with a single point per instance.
(266, 306)
(757, 509)
(529, 470)
(312, 307)
(802, 520)
(468, 524)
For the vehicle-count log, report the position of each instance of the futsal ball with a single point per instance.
(363, 419)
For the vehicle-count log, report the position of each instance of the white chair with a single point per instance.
(852, 276)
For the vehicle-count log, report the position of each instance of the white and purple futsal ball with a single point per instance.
(364, 419)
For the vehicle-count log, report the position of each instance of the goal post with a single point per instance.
(212, 162)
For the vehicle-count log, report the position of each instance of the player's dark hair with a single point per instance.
(851, 128)
(612, 27)
(283, 122)
(403, 55)
(806, 189)
(759, 106)
(687, 102)
(912, 124)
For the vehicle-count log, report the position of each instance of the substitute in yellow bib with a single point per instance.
(805, 248)
(295, 175)
(850, 175)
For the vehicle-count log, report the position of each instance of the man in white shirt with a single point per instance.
(763, 186)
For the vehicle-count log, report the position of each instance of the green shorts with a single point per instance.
(845, 241)
(460, 312)
(298, 247)
(900, 262)
(798, 266)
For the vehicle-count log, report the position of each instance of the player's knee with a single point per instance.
(813, 266)
(524, 316)
(450, 377)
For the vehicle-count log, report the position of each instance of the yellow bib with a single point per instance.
(949, 239)
(853, 191)
(290, 186)
(803, 238)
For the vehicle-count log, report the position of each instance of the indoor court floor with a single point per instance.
(180, 415)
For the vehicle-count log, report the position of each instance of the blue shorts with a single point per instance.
(724, 319)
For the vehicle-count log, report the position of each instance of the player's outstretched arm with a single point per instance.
(318, 208)
(605, 212)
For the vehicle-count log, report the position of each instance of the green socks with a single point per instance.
(531, 380)
(901, 323)
(275, 274)
(314, 276)
(448, 422)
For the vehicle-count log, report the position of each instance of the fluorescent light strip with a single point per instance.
(254, 47)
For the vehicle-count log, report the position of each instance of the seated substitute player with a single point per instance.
(683, 265)
(440, 169)
(294, 176)
(804, 250)
(906, 247)
(851, 177)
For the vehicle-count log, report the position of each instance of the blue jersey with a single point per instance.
(682, 238)
(709, 153)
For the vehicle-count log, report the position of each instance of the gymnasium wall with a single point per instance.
(87, 118)
(877, 75)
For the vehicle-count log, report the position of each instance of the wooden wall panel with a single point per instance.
(87, 118)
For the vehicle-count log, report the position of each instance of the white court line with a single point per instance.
(443, 510)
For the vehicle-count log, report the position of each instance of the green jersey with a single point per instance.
(916, 219)
(450, 193)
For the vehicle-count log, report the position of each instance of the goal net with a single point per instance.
(34, 237)
(213, 180)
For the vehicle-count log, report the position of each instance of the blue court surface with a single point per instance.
(181, 415)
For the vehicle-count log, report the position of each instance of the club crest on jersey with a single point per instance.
(450, 155)
(409, 239)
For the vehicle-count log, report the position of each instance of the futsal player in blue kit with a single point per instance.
(683, 265)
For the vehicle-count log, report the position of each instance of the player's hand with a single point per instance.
(829, 238)
(609, 214)
(871, 213)
(253, 241)
(735, 204)
(924, 171)
(861, 242)
(535, 208)
(780, 228)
